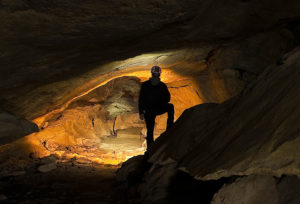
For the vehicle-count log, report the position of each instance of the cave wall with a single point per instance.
(51, 47)
(55, 52)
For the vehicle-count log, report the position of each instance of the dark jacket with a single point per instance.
(152, 97)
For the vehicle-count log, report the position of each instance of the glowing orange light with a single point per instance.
(99, 156)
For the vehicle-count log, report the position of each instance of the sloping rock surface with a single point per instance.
(256, 189)
(13, 127)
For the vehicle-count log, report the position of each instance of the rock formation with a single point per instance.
(70, 74)
(48, 45)
(260, 189)
(13, 127)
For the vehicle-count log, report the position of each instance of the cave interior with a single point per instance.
(70, 79)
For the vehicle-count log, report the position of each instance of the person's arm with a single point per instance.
(167, 95)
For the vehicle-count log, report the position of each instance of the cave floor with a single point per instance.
(68, 183)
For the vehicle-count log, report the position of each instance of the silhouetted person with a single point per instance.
(154, 100)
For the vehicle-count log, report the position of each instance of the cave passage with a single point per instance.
(70, 76)
(97, 123)
(98, 126)
(100, 123)
(103, 126)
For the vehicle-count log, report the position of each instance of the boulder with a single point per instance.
(256, 189)
(154, 187)
(48, 159)
(13, 127)
(47, 167)
(131, 169)
(248, 190)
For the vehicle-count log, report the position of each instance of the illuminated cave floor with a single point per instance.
(69, 183)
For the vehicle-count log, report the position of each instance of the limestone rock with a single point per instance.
(3, 197)
(132, 133)
(128, 120)
(253, 55)
(248, 190)
(82, 161)
(154, 187)
(48, 159)
(152, 184)
(47, 167)
(260, 189)
(13, 127)
(131, 168)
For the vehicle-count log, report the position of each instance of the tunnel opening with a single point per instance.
(97, 121)
(103, 126)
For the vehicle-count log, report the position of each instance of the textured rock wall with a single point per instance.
(47, 45)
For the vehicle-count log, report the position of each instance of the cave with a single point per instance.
(70, 79)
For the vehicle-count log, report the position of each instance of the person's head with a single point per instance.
(155, 71)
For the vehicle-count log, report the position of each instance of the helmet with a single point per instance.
(156, 70)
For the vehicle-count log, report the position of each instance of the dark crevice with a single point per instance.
(185, 189)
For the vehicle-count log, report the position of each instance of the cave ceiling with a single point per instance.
(49, 48)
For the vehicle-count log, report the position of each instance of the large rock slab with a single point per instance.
(13, 127)
(248, 190)
(256, 189)
(47, 167)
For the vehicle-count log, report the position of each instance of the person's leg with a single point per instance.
(170, 110)
(150, 122)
